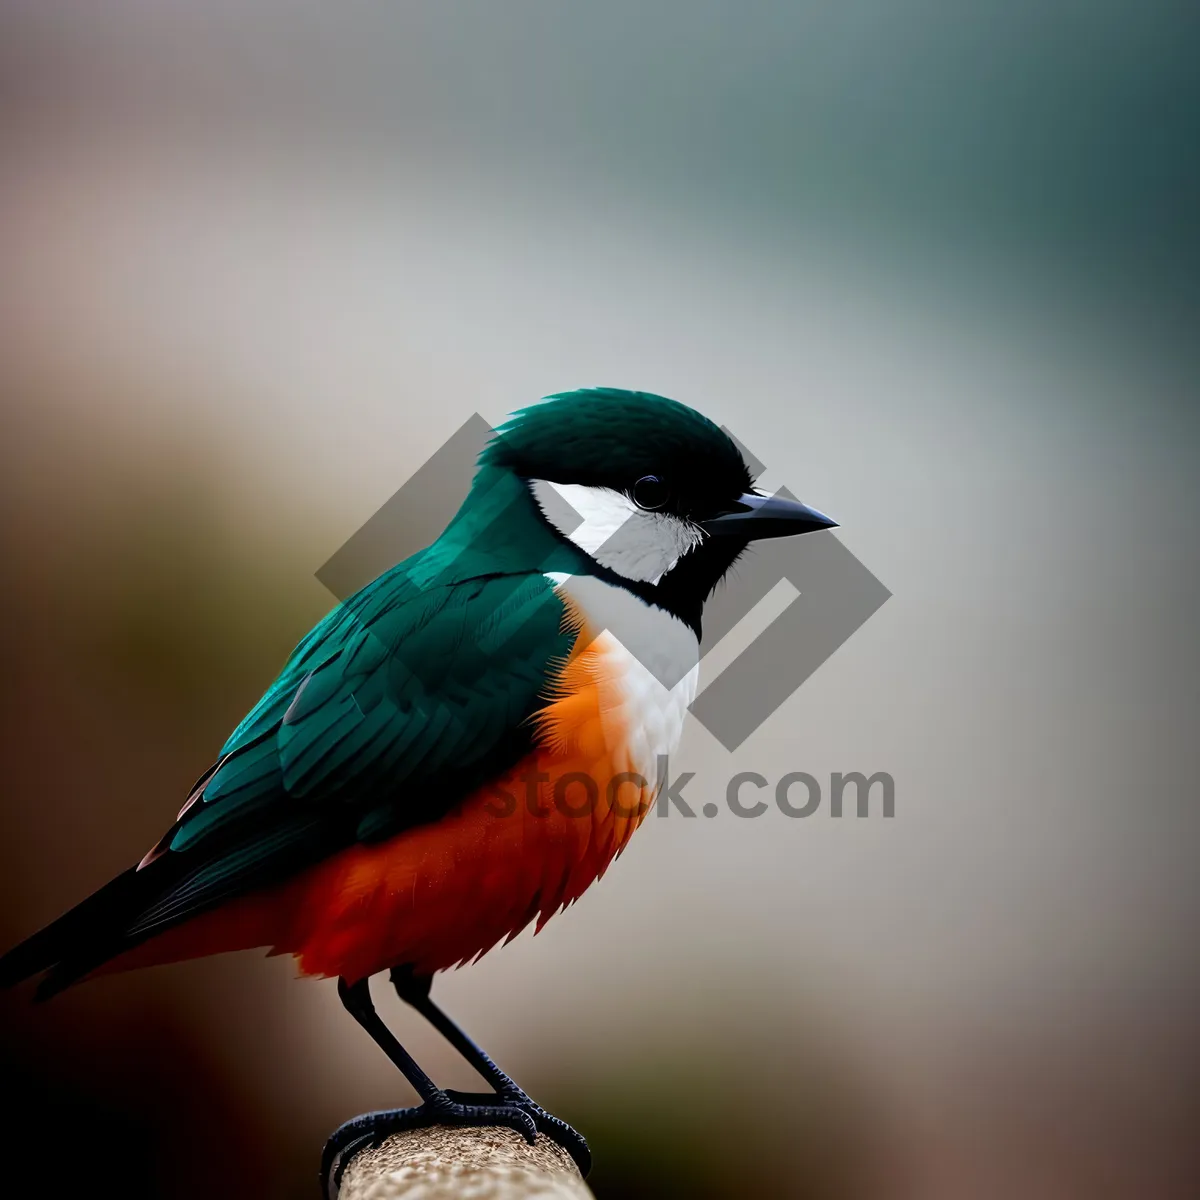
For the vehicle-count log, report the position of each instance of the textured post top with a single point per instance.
(442, 1163)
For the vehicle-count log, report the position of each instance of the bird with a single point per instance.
(459, 749)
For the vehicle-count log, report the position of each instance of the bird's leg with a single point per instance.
(437, 1107)
(414, 990)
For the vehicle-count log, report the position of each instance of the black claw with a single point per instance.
(357, 1134)
(453, 1112)
(482, 1099)
(556, 1129)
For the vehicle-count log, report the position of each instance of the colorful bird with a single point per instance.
(462, 747)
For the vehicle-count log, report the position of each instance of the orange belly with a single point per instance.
(442, 894)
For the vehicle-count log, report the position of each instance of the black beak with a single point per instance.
(758, 516)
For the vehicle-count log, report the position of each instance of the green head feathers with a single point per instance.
(611, 438)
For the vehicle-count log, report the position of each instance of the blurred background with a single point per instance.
(935, 264)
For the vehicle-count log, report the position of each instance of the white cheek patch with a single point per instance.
(616, 533)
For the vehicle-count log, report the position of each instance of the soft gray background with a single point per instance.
(935, 264)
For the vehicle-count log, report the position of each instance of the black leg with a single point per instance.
(356, 998)
(437, 1107)
(414, 990)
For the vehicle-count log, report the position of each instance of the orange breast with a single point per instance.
(442, 894)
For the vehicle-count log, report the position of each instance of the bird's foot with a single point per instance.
(357, 1134)
(446, 1109)
(512, 1109)
(556, 1129)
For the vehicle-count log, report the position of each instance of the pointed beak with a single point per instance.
(758, 516)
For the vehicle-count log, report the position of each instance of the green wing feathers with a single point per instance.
(402, 700)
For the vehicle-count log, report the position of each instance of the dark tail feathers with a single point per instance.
(67, 947)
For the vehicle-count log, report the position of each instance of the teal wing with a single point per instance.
(404, 699)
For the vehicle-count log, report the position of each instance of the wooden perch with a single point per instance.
(441, 1163)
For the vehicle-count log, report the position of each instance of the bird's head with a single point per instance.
(647, 488)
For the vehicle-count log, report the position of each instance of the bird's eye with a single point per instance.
(650, 492)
